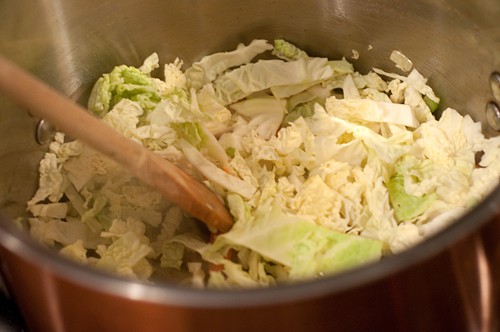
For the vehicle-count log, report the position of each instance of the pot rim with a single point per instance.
(21, 244)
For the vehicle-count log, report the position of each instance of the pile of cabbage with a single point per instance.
(322, 167)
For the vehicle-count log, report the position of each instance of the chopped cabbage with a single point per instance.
(322, 167)
(406, 206)
(293, 241)
(266, 114)
(287, 51)
(286, 78)
(211, 66)
(124, 82)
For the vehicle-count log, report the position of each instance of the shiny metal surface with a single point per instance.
(495, 85)
(492, 112)
(447, 283)
(44, 132)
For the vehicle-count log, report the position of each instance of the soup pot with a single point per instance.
(449, 282)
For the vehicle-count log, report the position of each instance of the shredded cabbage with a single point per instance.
(323, 168)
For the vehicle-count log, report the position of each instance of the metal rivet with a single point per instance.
(495, 85)
(44, 132)
(493, 115)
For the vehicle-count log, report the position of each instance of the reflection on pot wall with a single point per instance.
(444, 284)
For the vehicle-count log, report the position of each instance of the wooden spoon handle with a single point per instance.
(170, 181)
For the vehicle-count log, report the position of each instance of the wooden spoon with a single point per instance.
(170, 181)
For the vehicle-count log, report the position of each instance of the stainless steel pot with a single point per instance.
(450, 282)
